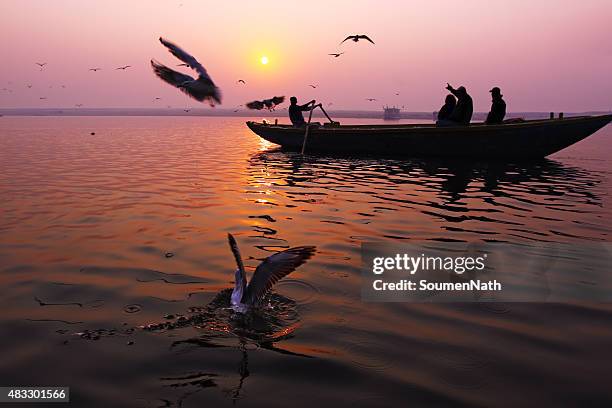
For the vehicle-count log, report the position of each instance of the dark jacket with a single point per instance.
(464, 109)
(295, 114)
(446, 111)
(498, 111)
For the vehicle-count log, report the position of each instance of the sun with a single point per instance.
(264, 60)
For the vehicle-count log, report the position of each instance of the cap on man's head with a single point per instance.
(495, 91)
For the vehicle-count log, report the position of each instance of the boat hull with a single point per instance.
(529, 139)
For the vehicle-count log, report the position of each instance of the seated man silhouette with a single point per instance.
(295, 111)
(462, 114)
(446, 110)
(498, 108)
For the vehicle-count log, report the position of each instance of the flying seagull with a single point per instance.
(124, 67)
(41, 65)
(269, 104)
(201, 89)
(29, 86)
(336, 54)
(358, 37)
(241, 80)
(271, 270)
(95, 69)
(370, 99)
(312, 86)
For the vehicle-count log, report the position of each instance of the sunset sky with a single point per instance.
(545, 55)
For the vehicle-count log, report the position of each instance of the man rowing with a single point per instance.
(295, 111)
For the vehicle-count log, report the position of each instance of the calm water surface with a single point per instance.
(102, 234)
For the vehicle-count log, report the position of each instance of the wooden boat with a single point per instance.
(517, 140)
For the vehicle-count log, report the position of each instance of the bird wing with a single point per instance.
(277, 100)
(258, 105)
(234, 247)
(365, 37)
(179, 53)
(350, 37)
(171, 76)
(274, 268)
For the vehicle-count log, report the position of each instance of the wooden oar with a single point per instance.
(323, 110)
(307, 129)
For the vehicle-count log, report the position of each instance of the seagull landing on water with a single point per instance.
(201, 89)
(358, 37)
(248, 297)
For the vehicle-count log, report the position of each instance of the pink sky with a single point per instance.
(545, 55)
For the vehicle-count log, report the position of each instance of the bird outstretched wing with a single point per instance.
(274, 268)
(350, 37)
(234, 247)
(171, 76)
(257, 105)
(365, 37)
(181, 54)
(277, 100)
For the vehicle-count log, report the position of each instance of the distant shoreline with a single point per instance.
(355, 114)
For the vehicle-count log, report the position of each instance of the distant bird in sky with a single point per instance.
(201, 89)
(313, 86)
(241, 80)
(124, 67)
(336, 54)
(29, 85)
(275, 267)
(397, 93)
(358, 37)
(157, 98)
(269, 104)
(41, 65)
(236, 110)
(370, 99)
(95, 69)
(64, 86)
(78, 105)
(42, 98)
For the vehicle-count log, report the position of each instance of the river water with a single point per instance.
(108, 224)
